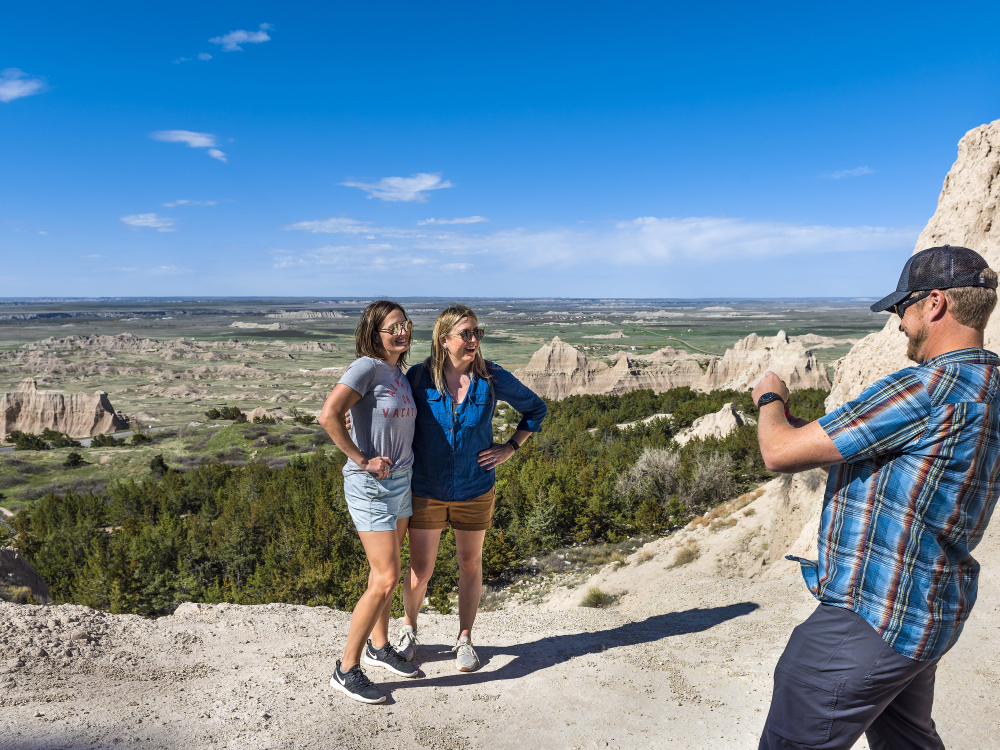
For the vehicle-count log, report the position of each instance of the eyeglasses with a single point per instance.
(900, 307)
(397, 328)
(467, 336)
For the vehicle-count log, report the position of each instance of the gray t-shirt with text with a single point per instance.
(382, 420)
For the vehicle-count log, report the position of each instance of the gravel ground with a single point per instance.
(689, 670)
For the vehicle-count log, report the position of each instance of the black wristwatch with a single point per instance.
(513, 444)
(768, 398)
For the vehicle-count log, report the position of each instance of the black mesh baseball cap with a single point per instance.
(944, 267)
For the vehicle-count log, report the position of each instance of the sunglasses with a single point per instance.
(900, 307)
(397, 328)
(467, 336)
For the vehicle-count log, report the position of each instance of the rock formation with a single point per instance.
(264, 326)
(742, 366)
(558, 370)
(716, 425)
(307, 314)
(75, 414)
(18, 579)
(967, 215)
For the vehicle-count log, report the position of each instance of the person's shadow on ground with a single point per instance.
(543, 653)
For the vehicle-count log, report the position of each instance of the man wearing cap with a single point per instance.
(914, 477)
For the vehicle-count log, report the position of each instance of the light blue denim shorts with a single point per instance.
(376, 504)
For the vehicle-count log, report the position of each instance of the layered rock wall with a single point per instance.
(967, 215)
(742, 366)
(78, 415)
(558, 370)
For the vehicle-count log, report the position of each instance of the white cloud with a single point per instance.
(192, 139)
(204, 56)
(402, 188)
(456, 266)
(842, 173)
(644, 242)
(95, 255)
(181, 59)
(186, 202)
(439, 222)
(159, 223)
(15, 83)
(231, 42)
(333, 226)
(42, 232)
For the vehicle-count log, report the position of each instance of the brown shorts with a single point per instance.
(468, 515)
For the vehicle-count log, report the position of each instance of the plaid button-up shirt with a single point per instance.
(902, 516)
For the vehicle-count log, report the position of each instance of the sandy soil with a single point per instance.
(686, 665)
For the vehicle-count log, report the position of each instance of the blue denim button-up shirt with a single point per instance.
(446, 447)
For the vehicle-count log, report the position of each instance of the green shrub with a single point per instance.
(26, 441)
(141, 438)
(106, 441)
(304, 418)
(158, 466)
(58, 439)
(213, 413)
(73, 461)
(598, 599)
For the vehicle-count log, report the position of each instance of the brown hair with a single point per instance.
(447, 320)
(972, 305)
(367, 340)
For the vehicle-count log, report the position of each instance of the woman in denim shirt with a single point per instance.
(454, 461)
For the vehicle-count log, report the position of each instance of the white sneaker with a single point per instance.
(406, 644)
(466, 659)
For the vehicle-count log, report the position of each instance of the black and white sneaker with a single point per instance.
(356, 684)
(387, 658)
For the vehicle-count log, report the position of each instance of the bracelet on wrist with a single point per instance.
(514, 444)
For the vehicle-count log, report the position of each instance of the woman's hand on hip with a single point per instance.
(379, 466)
(495, 455)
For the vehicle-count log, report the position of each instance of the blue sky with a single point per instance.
(562, 149)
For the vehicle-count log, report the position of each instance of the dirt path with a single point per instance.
(688, 668)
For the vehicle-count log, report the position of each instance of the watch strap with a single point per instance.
(767, 398)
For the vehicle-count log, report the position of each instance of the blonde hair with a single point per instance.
(367, 339)
(972, 305)
(447, 320)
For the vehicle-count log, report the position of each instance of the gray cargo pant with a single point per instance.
(838, 679)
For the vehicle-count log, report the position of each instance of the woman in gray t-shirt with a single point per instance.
(376, 483)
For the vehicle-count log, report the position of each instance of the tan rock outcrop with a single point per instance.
(264, 326)
(18, 579)
(717, 425)
(742, 366)
(967, 215)
(75, 414)
(307, 314)
(558, 370)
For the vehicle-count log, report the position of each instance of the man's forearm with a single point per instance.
(787, 449)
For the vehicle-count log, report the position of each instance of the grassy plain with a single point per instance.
(169, 388)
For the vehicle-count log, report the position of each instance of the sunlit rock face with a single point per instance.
(967, 215)
(78, 415)
(717, 425)
(558, 370)
(742, 366)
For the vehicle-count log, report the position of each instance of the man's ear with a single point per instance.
(936, 305)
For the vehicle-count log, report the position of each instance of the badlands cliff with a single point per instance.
(78, 415)
(968, 215)
(742, 366)
(717, 425)
(558, 369)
